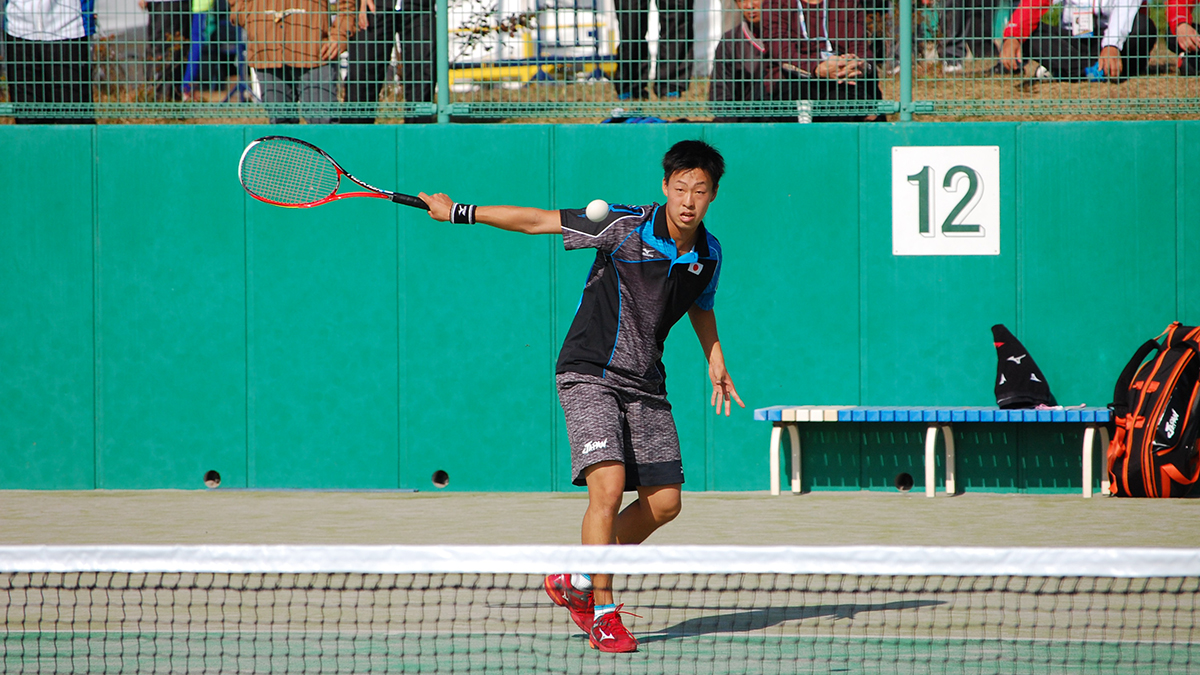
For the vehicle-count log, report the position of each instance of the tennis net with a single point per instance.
(457, 609)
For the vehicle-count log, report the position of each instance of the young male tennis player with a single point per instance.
(653, 265)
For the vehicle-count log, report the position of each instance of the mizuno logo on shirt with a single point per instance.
(1017, 359)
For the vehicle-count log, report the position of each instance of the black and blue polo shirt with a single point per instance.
(638, 288)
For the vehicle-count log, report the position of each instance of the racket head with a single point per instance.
(287, 171)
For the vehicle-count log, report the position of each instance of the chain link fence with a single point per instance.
(412, 61)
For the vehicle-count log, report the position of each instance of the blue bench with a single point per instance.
(935, 419)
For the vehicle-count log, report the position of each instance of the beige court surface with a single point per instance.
(742, 518)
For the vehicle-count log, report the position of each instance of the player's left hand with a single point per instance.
(1110, 62)
(723, 389)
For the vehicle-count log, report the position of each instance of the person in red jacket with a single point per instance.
(1094, 39)
(1182, 36)
(818, 51)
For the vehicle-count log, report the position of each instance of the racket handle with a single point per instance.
(409, 200)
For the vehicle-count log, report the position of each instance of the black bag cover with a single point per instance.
(1019, 382)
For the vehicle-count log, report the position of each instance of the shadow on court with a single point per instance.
(759, 619)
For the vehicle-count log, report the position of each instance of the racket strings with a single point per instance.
(286, 172)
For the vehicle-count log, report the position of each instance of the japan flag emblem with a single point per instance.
(695, 268)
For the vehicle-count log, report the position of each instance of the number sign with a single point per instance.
(946, 200)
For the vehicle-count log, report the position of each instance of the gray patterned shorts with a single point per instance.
(607, 421)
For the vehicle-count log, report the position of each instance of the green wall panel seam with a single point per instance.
(247, 467)
(251, 375)
(1019, 275)
(97, 402)
(403, 241)
(1180, 238)
(552, 288)
(1019, 239)
(709, 430)
(862, 281)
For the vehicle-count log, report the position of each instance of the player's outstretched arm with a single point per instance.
(512, 218)
(704, 321)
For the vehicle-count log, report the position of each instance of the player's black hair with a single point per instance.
(688, 155)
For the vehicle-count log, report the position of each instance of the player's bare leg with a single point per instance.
(606, 488)
(605, 523)
(655, 506)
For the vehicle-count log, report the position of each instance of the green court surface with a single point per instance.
(708, 518)
(551, 653)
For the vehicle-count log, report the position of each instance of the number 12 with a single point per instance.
(923, 179)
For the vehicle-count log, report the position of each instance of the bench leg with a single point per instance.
(776, 439)
(931, 435)
(1089, 435)
(776, 433)
(951, 461)
(930, 448)
(1089, 439)
(1104, 440)
(794, 432)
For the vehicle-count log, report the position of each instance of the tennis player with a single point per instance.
(653, 264)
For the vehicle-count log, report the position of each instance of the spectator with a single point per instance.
(170, 21)
(195, 60)
(675, 35)
(371, 50)
(818, 51)
(739, 62)
(293, 46)
(47, 59)
(1182, 38)
(1098, 39)
(968, 25)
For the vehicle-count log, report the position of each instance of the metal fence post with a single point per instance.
(443, 61)
(906, 59)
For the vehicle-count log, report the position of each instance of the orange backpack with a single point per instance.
(1156, 407)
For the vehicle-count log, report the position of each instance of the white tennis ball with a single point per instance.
(597, 210)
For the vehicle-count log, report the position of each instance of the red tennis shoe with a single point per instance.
(610, 635)
(580, 603)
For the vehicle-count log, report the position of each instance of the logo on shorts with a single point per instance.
(593, 445)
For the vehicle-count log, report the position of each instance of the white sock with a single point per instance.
(582, 582)
(601, 610)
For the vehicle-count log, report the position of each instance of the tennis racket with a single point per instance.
(290, 172)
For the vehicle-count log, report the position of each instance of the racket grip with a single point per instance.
(409, 200)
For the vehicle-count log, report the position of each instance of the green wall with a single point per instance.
(155, 323)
